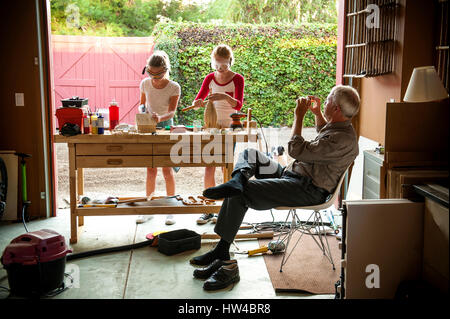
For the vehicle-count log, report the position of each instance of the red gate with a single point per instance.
(100, 69)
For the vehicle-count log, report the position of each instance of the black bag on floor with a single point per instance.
(177, 241)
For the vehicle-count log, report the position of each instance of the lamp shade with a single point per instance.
(425, 86)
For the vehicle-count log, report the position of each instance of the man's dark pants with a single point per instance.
(274, 186)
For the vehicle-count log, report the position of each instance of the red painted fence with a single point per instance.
(100, 69)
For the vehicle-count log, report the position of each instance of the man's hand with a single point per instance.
(315, 105)
(303, 104)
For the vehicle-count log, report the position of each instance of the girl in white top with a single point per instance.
(159, 97)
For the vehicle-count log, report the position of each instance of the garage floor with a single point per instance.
(146, 273)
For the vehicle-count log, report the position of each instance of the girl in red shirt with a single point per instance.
(225, 89)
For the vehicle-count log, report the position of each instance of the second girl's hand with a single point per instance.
(156, 117)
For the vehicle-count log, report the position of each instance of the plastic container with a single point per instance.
(177, 241)
(71, 115)
(86, 124)
(35, 262)
(100, 124)
(105, 113)
(113, 114)
(94, 128)
(75, 101)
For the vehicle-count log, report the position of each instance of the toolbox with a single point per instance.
(177, 241)
(74, 101)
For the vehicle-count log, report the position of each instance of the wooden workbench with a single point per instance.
(146, 150)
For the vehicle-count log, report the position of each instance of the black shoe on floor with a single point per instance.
(204, 273)
(208, 258)
(222, 278)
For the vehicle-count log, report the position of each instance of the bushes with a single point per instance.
(279, 63)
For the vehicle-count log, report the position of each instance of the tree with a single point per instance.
(288, 11)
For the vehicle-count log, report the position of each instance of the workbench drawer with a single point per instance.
(187, 161)
(180, 148)
(114, 149)
(113, 161)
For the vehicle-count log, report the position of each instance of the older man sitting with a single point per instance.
(308, 180)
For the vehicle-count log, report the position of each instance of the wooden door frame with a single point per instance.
(44, 16)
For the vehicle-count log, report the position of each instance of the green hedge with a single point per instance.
(278, 62)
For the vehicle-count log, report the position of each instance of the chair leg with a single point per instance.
(316, 222)
(288, 236)
(295, 225)
(325, 249)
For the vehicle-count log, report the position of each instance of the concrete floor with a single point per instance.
(146, 273)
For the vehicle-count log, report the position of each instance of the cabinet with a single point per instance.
(382, 246)
(372, 167)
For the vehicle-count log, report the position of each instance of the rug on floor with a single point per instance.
(307, 269)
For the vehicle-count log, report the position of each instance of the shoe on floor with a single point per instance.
(206, 272)
(222, 278)
(205, 218)
(170, 220)
(209, 257)
(143, 218)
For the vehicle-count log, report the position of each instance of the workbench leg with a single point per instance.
(227, 172)
(80, 185)
(73, 195)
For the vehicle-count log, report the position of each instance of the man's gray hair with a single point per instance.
(347, 98)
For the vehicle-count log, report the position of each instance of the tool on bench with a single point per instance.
(112, 201)
(97, 205)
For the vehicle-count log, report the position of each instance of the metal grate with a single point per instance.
(370, 37)
(442, 45)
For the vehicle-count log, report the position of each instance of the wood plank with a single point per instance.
(148, 210)
(160, 137)
(80, 188)
(73, 194)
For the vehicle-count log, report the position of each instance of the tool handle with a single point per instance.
(192, 106)
(187, 108)
(259, 250)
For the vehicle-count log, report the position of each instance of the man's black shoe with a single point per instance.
(222, 278)
(204, 273)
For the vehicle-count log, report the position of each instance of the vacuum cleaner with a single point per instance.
(35, 262)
